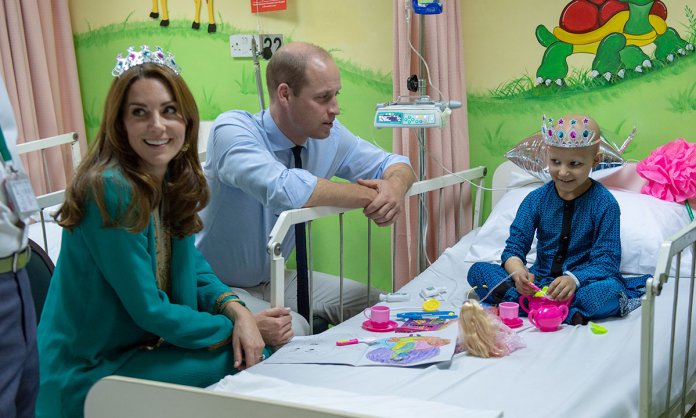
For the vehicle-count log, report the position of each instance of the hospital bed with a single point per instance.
(638, 368)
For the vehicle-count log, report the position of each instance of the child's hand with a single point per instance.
(562, 288)
(523, 280)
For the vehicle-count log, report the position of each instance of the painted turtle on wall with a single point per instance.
(614, 31)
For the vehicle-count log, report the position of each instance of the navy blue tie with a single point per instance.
(301, 254)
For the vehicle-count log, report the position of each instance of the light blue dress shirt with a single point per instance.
(250, 185)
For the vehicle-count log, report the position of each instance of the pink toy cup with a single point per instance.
(508, 310)
(548, 318)
(530, 303)
(378, 316)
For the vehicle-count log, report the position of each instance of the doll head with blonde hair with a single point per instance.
(479, 332)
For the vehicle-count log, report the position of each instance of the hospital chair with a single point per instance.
(39, 269)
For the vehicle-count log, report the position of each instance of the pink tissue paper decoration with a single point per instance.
(670, 171)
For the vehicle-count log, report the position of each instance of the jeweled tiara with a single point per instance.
(568, 133)
(143, 56)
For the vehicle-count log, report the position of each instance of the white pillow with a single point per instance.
(491, 237)
(645, 223)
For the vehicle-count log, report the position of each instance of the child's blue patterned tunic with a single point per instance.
(580, 238)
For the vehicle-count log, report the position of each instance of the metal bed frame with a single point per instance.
(289, 218)
(117, 397)
(40, 145)
(670, 250)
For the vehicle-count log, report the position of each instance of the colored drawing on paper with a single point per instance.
(406, 350)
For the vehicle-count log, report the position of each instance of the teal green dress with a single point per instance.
(103, 304)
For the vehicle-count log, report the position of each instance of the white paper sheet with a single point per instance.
(389, 349)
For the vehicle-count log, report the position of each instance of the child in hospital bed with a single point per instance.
(576, 222)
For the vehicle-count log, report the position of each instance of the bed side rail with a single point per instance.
(40, 145)
(289, 218)
(670, 250)
(116, 397)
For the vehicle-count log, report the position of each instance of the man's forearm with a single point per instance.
(352, 195)
(400, 175)
(346, 195)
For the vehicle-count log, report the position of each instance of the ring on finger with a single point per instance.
(262, 357)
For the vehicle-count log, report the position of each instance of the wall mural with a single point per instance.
(220, 82)
(196, 19)
(625, 63)
(612, 30)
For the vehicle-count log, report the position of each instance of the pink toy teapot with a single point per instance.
(530, 303)
(548, 318)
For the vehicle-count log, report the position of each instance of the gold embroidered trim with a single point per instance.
(224, 299)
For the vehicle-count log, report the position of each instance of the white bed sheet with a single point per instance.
(571, 372)
(379, 405)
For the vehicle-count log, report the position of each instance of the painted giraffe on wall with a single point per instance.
(196, 20)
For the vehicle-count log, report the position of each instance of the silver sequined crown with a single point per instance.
(568, 133)
(143, 56)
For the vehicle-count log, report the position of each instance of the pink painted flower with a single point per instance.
(670, 171)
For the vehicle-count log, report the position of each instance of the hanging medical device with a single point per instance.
(427, 7)
(419, 113)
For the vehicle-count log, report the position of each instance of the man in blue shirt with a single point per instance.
(251, 174)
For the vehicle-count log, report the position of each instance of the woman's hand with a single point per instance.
(247, 343)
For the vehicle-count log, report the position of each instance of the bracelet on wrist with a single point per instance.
(226, 298)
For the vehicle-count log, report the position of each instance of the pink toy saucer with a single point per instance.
(512, 322)
(369, 325)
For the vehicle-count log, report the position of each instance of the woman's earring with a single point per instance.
(184, 148)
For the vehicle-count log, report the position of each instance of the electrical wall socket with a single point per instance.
(240, 45)
(269, 44)
(266, 44)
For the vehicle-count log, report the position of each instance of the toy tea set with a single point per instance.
(429, 319)
(543, 312)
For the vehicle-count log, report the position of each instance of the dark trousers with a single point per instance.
(19, 360)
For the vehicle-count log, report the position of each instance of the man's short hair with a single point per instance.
(288, 65)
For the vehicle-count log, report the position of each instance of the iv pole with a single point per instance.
(257, 70)
(422, 221)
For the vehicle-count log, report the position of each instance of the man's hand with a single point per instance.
(389, 202)
(387, 205)
(275, 325)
